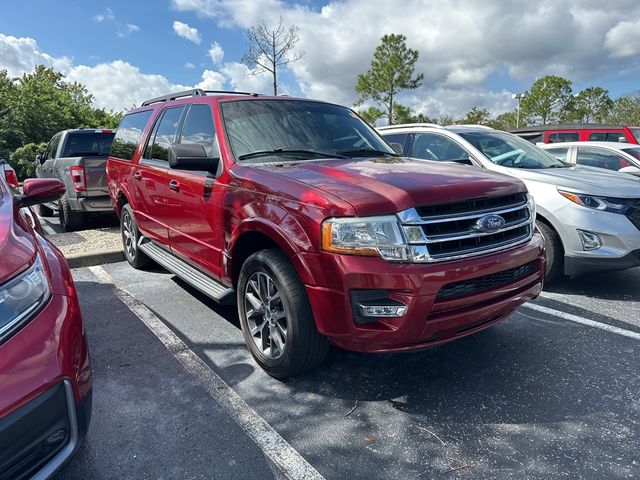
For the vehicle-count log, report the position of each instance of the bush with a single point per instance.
(23, 160)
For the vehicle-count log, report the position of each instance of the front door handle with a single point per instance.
(137, 175)
(174, 185)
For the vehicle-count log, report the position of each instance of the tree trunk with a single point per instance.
(275, 67)
(390, 109)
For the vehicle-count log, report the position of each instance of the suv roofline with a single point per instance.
(409, 125)
(568, 126)
(194, 92)
(614, 145)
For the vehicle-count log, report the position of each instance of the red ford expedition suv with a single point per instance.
(45, 376)
(302, 214)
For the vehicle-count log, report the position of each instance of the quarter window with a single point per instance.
(600, 158)
(164, 134)
(128, 135)
(608, 137)
(401, 138)
(559, 153)
(564, 137)
(198, 128)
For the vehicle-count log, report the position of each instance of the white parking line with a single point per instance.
(45, 226)
(583, 321)
(283, 455)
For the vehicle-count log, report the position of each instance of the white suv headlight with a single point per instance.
(22, 296)
(373, 236)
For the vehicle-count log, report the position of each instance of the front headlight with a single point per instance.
(605, 204)
(22, 296)
(531, 203)
(373, 236)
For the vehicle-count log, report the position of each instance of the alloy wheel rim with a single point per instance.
(129, 237)
(265, 314)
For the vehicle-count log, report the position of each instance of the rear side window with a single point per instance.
(559, 153)
(198, 128)
(564, 137)
(431, 146)
(52, 148)
(401, 138)
(128, 135)
(164, 134)
(600, 158)
(608, 137)
(88, 144)
(636, 133)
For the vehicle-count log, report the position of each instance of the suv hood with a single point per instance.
(388, 185)
(590, 181)
(17, 247)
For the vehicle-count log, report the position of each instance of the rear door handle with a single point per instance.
(137, 175)
(174, 185)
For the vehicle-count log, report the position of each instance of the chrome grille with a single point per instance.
(446, 232)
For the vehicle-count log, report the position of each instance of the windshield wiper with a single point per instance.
(366, 152)
(288, 151)
(555, 165)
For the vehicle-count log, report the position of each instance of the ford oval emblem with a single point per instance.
(489, 223)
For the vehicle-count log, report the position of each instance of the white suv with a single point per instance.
(590, 218)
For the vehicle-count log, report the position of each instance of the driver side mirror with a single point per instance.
(193, 157)
(39, 190)
(633, 170)
(39, 159)
(397, 148)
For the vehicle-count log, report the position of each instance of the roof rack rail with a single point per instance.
(409, 125)
(194, 92)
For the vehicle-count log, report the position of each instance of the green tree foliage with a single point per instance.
(446, 119)
(591, 105)
(23, 159)
(476, 116)
(371, 115)
(37, 105)
(506, 121)
(625, 111)
(391, 71)
(402, 114)
(547, 99)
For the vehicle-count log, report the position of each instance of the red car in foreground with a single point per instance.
(45, 376)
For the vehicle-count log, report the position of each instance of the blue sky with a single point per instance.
(472, 53)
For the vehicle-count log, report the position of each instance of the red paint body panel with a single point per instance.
(206, 218)
(584, 134)
(51, 346)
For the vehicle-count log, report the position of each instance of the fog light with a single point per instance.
(590, 241)
(383, 310)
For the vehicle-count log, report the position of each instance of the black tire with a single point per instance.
(304, 348)
(44, 211)
(129, 226)
(69, 220)
(554, 252)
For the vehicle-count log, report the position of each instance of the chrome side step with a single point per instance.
(194, 277)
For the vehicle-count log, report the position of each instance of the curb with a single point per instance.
(90, 260)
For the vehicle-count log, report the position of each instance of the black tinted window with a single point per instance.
(564, 137)
(431, 146)
(600, 158)
(401, 138)
(165, 134)
(52, 148)
(607, 137)
(198, 128)
(128, 135)
(88, 144)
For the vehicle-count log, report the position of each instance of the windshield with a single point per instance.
(511, 151)
(289, 130)
(88, 144)
(636, 133)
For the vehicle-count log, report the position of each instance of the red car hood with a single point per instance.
(17, 247)
(389, 185)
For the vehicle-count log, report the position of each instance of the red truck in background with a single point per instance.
(305, 217)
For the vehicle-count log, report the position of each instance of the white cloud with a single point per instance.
(212, 81)
(125, 30)
(241, 78)
(107, 15)
(185, 31)
(623, 40)
(20, 55)
(216, 52)
(189, 66)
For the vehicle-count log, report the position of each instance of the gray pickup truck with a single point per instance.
(77, 157)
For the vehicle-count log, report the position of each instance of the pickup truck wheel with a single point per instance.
(130, 235)
(44, 211)
(69, 220)
(276, 318)
(553, 251)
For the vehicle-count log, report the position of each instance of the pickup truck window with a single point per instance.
(52, 148)
(87, 144)
(164, 134)
(128, 135)
(291, 126)
(198, 128)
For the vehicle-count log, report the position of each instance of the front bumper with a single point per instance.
(39, 437)
(620, 240)
(430, 319)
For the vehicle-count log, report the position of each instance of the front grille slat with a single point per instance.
(450, 231)
(482, 284)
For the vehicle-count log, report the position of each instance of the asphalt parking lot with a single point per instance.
(538, 396)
